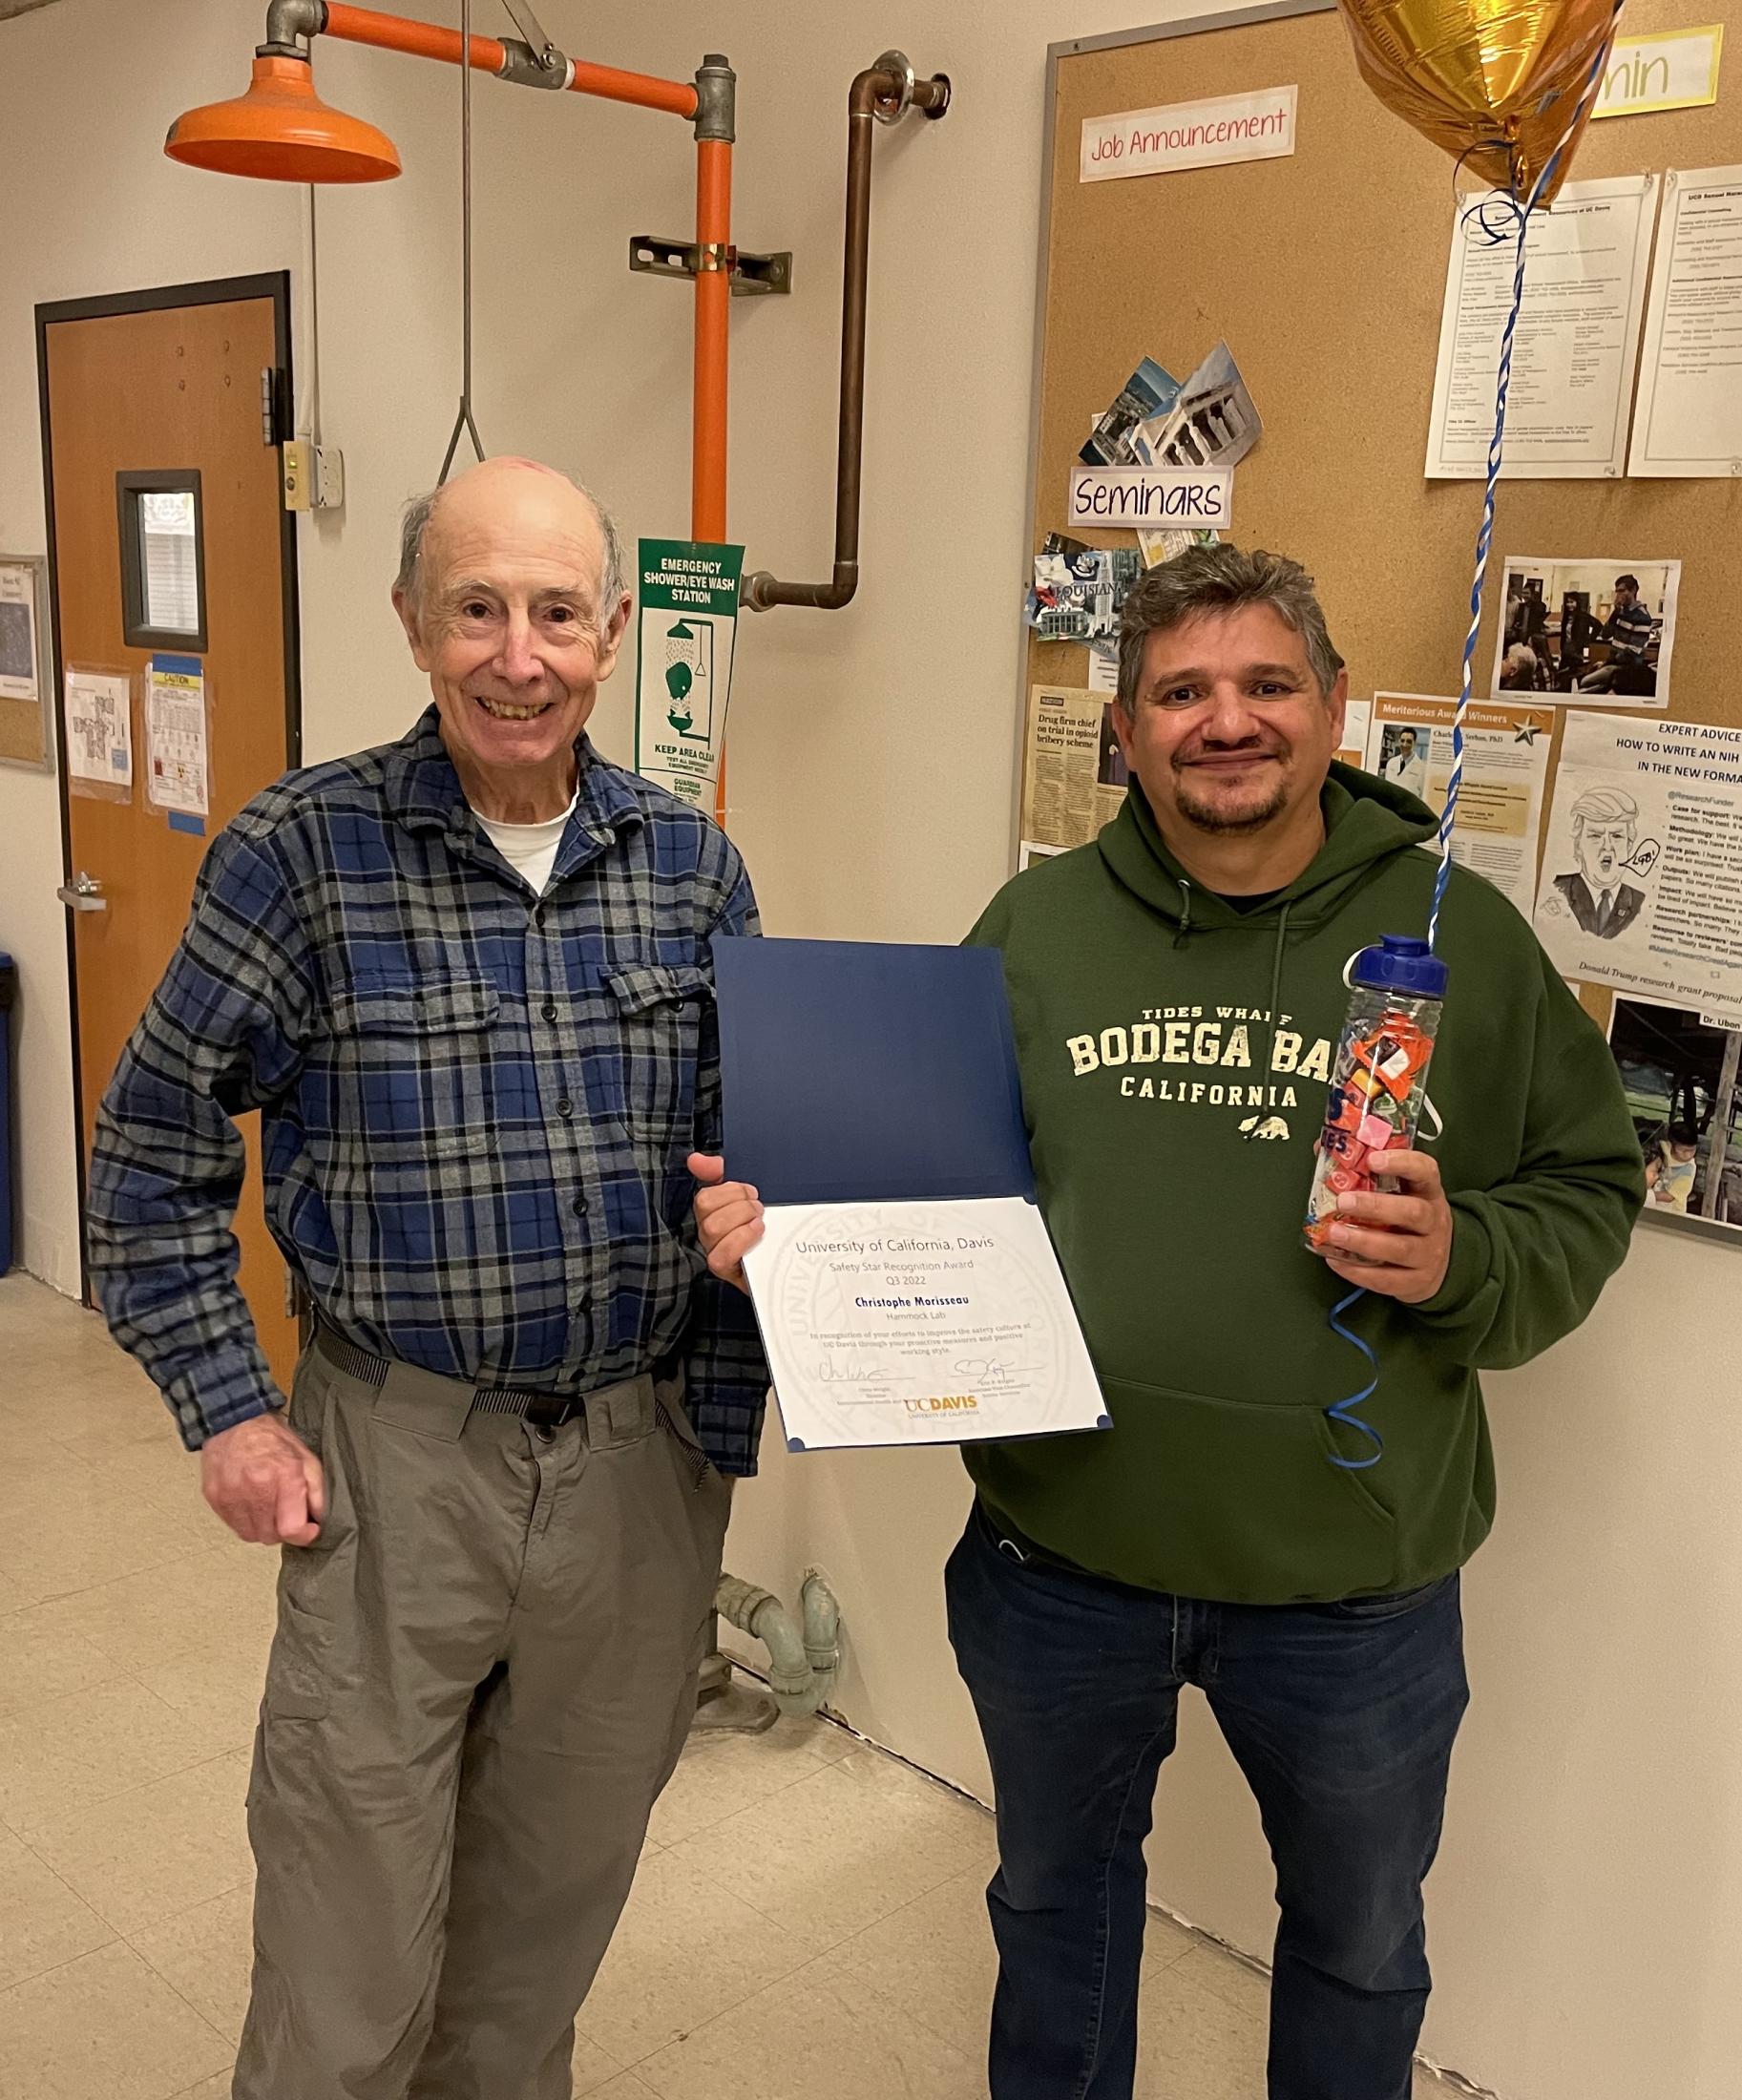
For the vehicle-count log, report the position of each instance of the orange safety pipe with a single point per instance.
(418, 39)
(677, 97)
(713, 315)
(424, 40)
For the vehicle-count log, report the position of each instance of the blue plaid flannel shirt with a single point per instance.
(475, 1103)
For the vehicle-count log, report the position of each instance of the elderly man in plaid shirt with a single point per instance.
(466, 979)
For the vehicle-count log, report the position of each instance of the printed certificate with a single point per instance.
(918, 1323)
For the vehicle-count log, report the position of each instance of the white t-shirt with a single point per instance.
(530, 849)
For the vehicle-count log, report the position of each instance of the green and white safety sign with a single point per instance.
(683, 674)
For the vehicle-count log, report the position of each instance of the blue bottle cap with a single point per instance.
(1403, 963)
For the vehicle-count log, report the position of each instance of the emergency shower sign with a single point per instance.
(684, 672)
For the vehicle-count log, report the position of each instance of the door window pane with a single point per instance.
(162, 560)
(168, 549)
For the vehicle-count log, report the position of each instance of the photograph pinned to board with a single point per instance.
(99, 709)
(24, 739)
(1499, 805)
(1682, 1074)
(1599, 630)
(1149, 393)
(1030, 854)
(1073, 773)
(1212, 422)
(1688, 420)
(1079, 590)
(1642, 877)
(1576, 343)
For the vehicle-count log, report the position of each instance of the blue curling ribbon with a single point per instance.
(1493, 219)
(1344, 1411)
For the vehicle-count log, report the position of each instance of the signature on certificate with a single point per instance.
(846, 1371)
(988, 1369)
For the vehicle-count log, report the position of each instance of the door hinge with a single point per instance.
(274, 421)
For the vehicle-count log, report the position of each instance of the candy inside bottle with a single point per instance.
(1378, 1080)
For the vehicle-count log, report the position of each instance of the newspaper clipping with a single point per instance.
(1642, 882)
(1073, 772)
(1499, 805)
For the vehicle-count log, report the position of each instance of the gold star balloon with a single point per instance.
(1495, 82)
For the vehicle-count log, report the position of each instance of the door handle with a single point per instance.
(83, 893)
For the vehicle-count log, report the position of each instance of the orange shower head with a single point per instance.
(281, 130)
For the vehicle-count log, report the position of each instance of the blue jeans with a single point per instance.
(1341, 1716)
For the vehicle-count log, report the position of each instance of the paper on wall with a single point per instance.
(1073, 773)
(683, 664)
(1642, 880)
(1689, 417)
(1103, 668)
(1157, 547)
(1672, 70)
(100, 728)
(1499, 805)
(177, 757)
(1188, 134)
(1576, 343)
(1355, 723)
(20, 646)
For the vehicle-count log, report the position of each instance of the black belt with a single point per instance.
(543, 1410)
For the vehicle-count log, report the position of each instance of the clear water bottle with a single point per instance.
(1378, 1082)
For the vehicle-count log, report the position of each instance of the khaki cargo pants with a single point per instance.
(483, 1675)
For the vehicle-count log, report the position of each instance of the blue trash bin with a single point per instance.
(9, 986)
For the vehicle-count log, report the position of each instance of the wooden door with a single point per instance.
(154, 421)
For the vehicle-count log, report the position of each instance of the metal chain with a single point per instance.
(465, 421)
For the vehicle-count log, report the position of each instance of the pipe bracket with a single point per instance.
(753, 275)
(890, 109)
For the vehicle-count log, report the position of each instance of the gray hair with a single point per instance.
(1220, 578)
(614, 580)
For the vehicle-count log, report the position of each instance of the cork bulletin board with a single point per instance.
(1325, 274)
(25, 735)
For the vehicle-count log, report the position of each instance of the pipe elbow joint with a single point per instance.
(290, 22)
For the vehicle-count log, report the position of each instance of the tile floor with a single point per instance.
(808, 1920)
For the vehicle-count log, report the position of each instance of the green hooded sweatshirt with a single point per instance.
(1174, 1055)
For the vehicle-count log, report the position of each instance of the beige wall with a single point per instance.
(1587, 1919)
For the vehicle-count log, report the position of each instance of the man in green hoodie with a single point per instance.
(1177, 988)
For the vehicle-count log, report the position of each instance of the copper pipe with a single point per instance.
(883, 93)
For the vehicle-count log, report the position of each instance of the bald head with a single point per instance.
(524, 495)
(512, 595)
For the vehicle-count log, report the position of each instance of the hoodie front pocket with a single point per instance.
(1247, 1503)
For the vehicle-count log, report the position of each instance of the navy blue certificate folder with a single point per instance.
(859, 1072)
